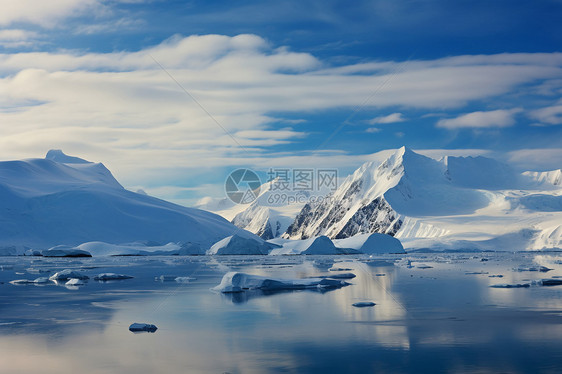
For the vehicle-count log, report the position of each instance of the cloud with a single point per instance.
(551, 115)
(391, 118)
(494, 118)
(123, 109)
(43, 13)
(536, 159)
(373, 130)
(15, 38)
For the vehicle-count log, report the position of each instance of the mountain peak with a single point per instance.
(58, 155)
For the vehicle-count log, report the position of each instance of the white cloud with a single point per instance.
(551, 115)
(536, 159)
(373, 130)
(14, 38)
(122, 109)
(43, 13)
(494, 118)
(391, 118)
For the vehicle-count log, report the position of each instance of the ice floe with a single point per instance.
(239, 282)
(111, 276)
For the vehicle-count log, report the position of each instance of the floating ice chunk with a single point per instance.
(184, 279)
(239, 282)
(542, 269)
(516, 285)
(21, 282)
(67, 274)
(424, 266)
(363, 304)
(111, 276)
(41, 280)
(75, 282)
(476, 273)
(142, 327)
(495, 276)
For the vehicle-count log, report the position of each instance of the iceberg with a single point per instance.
(142, 327)
(111, 276)
(233, 282)
(75, 282)
(67, 274)
(369, 244)
(65, 251)
(321, 245)
(237, 245)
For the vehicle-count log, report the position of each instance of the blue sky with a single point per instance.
(293, 83)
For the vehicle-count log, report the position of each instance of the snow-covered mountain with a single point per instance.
(448, 203)
(553, 177)
(67, 200)
(260, 217)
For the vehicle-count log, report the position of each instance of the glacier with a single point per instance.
(64, 200)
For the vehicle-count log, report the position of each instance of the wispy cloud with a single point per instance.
(494, 118)
(551, 115)
(120, 107)
(391, 118)
(17, 38)
(43, 13)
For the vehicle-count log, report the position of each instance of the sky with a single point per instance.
(173, 95)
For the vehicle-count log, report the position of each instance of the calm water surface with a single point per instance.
(433, 320)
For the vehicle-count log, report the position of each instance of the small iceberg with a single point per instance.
(104, 277)
(75, 282)
(237, 245)
(67, 274)
(142, 327)
(363, 304)
(542, 269)
(234, 282)
(184, 279)
(371, 244)
(516, 285)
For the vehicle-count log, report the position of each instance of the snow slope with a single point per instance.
(66, 200)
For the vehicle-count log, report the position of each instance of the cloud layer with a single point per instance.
(122, 108)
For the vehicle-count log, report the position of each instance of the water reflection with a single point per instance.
(425, 320)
